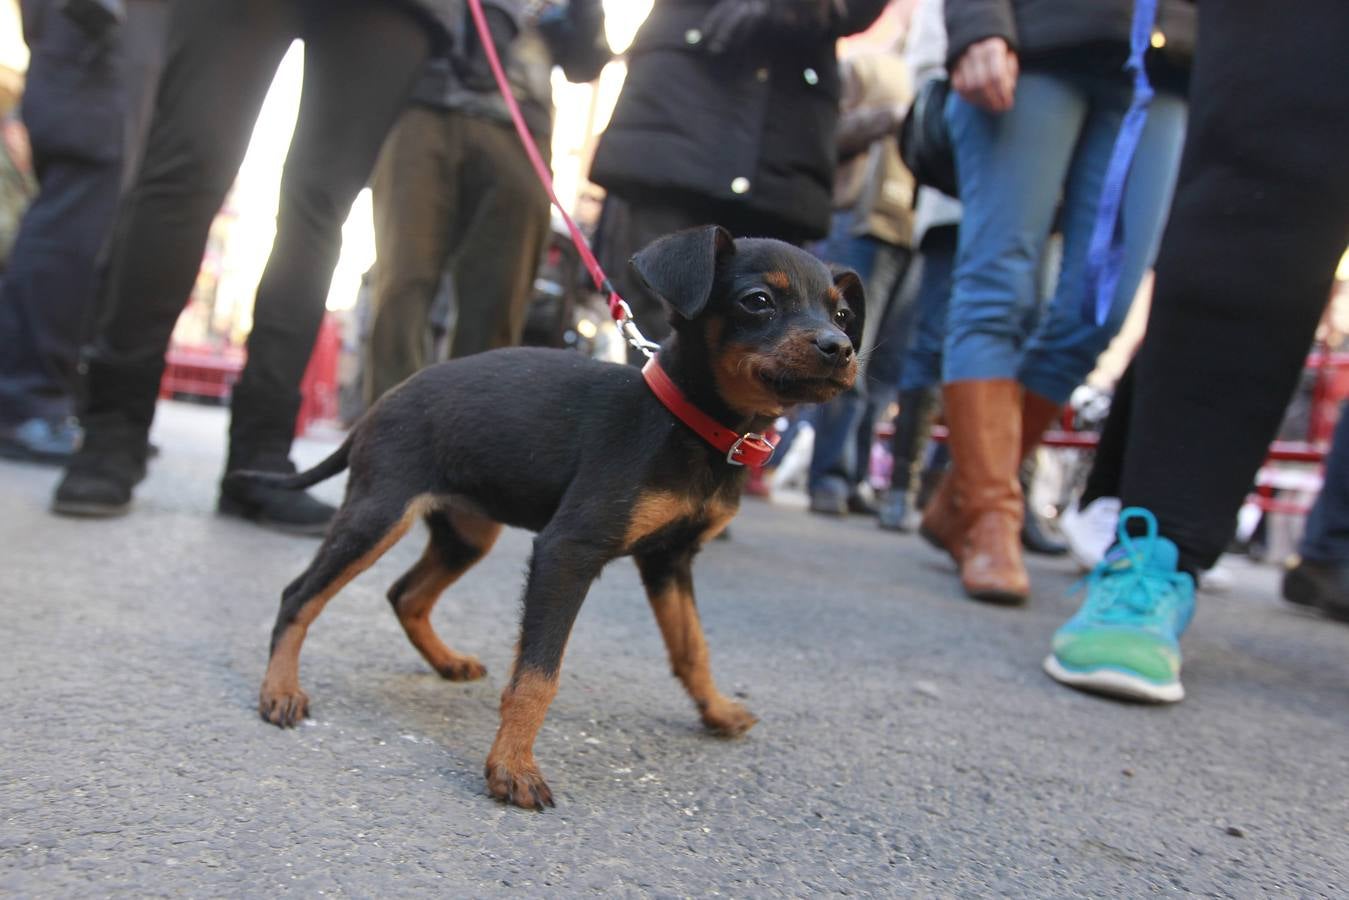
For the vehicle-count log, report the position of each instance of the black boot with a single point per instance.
(101, 475)
(911, 430)
(116, 410)
(260, 437)
(1036, 535)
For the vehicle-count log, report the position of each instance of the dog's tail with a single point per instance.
(335, 463)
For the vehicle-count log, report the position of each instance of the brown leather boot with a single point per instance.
(942, 525)
(985, 440)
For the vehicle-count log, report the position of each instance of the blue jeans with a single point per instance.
(1016, 169)
(839, 423)
(1326, 539)
(922, 364)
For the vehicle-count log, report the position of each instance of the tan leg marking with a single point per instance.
(512, 774)
(654, 511)
(427, 580)
(677, 616)
(280, 701)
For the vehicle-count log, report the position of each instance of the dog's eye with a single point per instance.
(757, 302)
(843, 318)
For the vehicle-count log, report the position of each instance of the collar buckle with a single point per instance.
(751, 442)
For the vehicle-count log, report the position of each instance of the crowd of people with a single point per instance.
(1089, 143)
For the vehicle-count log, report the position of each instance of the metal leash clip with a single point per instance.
(627, 326)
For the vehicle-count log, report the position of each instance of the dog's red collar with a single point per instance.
(749, 449)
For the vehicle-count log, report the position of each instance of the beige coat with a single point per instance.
(871, 179)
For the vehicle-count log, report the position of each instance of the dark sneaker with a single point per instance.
(281, 509)
(41, 441)
(829, 497)
(1322, 585)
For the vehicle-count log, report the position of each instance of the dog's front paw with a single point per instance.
(727, 718)
(283, 708)
(462, 668)
(521, 784)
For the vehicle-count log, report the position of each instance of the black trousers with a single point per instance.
(361, 59)
(1258, 224)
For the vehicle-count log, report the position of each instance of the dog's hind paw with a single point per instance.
(728, 718)
(523, 787)
(285, 709)
(462, 668)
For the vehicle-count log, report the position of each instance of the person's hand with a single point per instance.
(986, 73)
(731, 23)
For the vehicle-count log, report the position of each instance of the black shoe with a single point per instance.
(1322, 585)
(41, 441)
(101, 475)
(291, 511)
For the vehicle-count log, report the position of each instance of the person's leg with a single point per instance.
(1321, 576)
(143, 41)
(69, 107)
(361, 60)
(1065, 346)
(47, 291)
(1256, 230)
(1012, 168)
(832, 473)
(220, 59)
(414, 194)
(500, 238)
(923, 359)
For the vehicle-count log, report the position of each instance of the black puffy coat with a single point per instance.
(1044, 28)
(753, 127)
(447, 19)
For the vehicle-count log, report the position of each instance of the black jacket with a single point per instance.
(753, 127)
(1043, 29)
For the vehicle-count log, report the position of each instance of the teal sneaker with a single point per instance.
(1125, 640)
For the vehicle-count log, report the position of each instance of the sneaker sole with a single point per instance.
(1115, 683)
(81, 510)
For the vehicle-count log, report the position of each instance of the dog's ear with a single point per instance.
(849, 284)
(679, 268)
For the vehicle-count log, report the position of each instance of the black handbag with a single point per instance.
(925, 141)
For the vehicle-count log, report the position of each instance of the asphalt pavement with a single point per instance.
(909, 743)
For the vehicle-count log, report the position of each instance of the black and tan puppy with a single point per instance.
(588, 456)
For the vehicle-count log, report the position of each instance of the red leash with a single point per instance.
(619, 309)
(752, 448)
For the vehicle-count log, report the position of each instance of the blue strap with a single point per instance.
(1105, 253)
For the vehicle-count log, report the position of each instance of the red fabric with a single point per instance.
(749, 449)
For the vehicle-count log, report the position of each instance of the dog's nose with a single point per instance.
(834, 347)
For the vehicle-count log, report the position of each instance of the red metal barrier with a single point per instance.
(211, 373)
